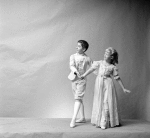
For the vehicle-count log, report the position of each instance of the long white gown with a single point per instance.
(105, 94)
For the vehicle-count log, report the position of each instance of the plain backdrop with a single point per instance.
(37, 38)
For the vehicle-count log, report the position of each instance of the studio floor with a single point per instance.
(59, 128)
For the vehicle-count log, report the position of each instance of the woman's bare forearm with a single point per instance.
(121, 83)
(90, 70)
(122, 86)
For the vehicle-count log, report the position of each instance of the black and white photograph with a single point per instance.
(74, 69)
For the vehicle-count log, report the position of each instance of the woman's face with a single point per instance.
(107, 55)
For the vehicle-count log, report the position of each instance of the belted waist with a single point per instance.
(104, 76)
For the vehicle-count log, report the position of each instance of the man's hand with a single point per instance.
(77, 73)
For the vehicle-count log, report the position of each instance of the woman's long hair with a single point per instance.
(114, 55)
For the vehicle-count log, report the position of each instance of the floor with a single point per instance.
(59, 128)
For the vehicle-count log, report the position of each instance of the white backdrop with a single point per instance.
(38, 36)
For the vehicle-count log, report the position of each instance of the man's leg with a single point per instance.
(82, 115)
(77, 106)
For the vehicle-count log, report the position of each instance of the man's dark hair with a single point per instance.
(84, 44)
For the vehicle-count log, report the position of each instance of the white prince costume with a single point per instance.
(79, 63)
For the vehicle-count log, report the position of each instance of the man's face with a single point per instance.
(80, 49)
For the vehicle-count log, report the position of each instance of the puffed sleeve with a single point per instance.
(72, 64)
(95, 66)
(115, 73)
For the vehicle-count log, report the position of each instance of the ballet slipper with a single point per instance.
(72, 124)
(103, 125)
(81, 120)
(98, 126)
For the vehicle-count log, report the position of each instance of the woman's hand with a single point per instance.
(126, 91)
(82, 77)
